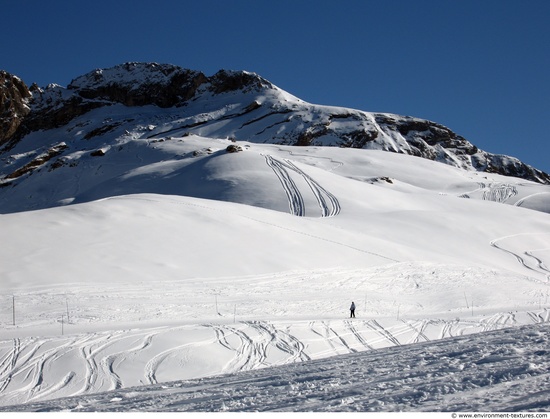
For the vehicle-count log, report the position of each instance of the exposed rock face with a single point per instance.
(130, 84)
(14, 97)
(227, 81)
(38, 161)
(137, 84)
(260, 112)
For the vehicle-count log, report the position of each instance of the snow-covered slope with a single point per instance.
(498, 371)
(143, 246)
(149, 288)
(59, 166)
(114, 118)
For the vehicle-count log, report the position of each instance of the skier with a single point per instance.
(352, 310)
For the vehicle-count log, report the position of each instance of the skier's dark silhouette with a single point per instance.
(352, 310)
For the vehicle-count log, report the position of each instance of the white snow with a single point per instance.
(502, 371)
(170, 259)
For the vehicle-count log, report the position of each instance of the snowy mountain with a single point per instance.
(160, 225)
(61, 131)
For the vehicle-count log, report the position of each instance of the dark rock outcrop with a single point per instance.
(38, 161)
(139, 84)
(228, 81)
(14, 97)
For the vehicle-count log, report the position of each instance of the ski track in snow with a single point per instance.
(295, 199)
(500, 370)
(499, 192)
(494, 191)
(328, 203)
(527, 259)
(96, 360)
(328, 209)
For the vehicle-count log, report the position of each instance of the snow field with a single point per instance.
(178, 265)
(127, 335)
(497, 371)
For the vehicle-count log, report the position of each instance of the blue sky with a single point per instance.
(480, 67)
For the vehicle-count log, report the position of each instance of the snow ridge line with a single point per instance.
(520, 202)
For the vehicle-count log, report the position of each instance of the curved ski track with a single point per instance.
(35, 369)
(527, 259)
(328, 203)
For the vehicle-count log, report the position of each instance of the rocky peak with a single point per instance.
(227, 81)
(139, 84)
(130, 84)
(14, 98)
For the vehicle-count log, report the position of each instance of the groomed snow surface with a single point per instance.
(163, 302)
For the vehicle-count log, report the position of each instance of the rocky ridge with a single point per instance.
(14, 99)
(261, 113)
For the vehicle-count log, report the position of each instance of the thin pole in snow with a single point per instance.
(466, 298)
(67, 304)
(13, 308)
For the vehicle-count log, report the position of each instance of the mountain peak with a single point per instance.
(164, 85)
(130, 73)
(243, 106)
(139, 84)
(229, 80)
